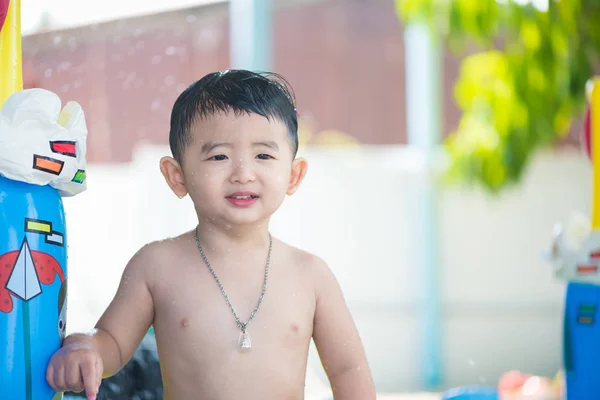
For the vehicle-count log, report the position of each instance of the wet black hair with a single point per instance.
(239, 91)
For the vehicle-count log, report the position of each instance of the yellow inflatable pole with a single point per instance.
(595, 147)
(11, 70)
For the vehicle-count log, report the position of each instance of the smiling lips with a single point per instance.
(242, 199)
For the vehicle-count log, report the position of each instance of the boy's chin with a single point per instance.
(241, 218)
(244, 222)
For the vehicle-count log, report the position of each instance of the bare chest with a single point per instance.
(193, 313)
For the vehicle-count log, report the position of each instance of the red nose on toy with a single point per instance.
(3, 11)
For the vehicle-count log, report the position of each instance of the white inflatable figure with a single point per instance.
(33, 123)
(575, 251)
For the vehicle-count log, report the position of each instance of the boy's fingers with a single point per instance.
(88, 373)
(59, 378)
(50, 377)
(73, 378)
(99, 372)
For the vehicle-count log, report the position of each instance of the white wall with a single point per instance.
(502, 307)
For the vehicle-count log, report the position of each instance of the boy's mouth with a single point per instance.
(242, 196)
(242, 199)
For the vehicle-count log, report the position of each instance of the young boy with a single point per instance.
(233, 309)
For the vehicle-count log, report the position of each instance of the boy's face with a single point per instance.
(237, 169)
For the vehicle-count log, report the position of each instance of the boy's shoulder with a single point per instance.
(156, 252)
(313, 267)
(158, 247)
(303, 259)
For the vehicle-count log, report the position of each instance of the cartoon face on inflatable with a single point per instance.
(575, 251)
(42, 143)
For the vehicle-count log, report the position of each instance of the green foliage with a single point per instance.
(521, 92)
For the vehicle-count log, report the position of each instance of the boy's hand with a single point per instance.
(76, 367)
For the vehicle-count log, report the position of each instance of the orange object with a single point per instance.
(47, 164)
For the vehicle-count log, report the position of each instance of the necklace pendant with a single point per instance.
(244, 343)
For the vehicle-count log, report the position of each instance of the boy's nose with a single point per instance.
(242, 173)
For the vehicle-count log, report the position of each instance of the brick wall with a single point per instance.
(344, 58)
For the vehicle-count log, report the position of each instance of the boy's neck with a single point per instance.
(218, 236)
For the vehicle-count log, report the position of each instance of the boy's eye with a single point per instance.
(264, 156)
(218, 157)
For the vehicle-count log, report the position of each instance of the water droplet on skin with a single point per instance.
(64, 66)
(169, 80)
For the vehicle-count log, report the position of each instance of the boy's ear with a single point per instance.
(173, 174)
(299, 169)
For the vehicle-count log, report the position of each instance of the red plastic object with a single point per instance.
(587, 130)
(3, 11)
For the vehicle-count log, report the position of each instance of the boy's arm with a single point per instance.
(122, 325)
(338, 343)
(127, 319)
(85, 358)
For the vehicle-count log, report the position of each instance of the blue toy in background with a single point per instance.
(582, 341)
(575, 255)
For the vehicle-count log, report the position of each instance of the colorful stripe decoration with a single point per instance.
(79, 176)
(44, 228)
(64, 147)
(584, 269)
(586, 313)
(587, 308)
(585, 320)
(47, 164)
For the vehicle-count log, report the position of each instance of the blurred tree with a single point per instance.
(521, 92)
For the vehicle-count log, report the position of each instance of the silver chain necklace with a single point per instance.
(244, 341)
